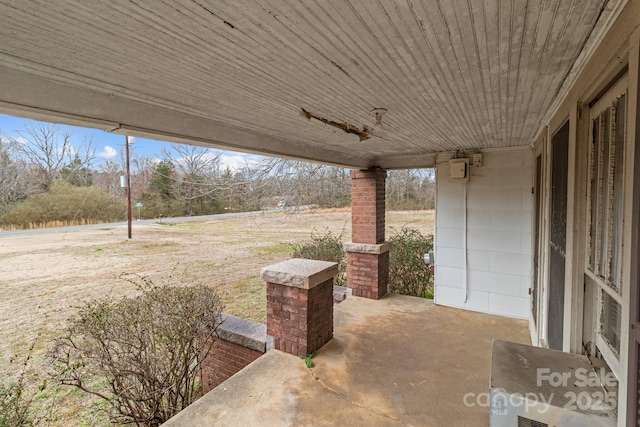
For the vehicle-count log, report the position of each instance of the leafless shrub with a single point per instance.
(17, 395)
(325, 247)
(141, 354)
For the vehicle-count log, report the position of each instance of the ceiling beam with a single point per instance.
(416, 161)
(28, 95)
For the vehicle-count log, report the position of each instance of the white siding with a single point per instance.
(499, 210)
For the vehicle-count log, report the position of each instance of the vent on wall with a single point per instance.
(527, 422)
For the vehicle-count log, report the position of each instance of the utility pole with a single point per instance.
(128, 188)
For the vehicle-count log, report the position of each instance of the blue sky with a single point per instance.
(109, 145)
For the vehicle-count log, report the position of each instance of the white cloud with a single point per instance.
(235, 162)
(108, 152)
(225, 159)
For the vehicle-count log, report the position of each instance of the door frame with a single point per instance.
(538, 328)
(633, 320)
(615, 362)
(562, 172)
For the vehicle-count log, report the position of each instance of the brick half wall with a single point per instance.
(240, 342)
(225, 360)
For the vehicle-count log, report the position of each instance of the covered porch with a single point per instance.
(395, 361)
(545, 93)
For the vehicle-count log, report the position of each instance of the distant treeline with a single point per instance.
(46, 179)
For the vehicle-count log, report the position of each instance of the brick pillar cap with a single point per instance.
(243, 332)
(368, 248)
(299, 273)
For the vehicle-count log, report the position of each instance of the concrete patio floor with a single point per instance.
(392, 362)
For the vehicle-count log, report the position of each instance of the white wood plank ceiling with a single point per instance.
(452, 74)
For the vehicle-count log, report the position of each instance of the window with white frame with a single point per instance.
(605, 216)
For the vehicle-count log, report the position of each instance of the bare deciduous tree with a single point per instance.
(46, 149)
(108, 176)
(142, 172)
(411, 189)
(191, 160)
(13, 186)
(196, 172)
(303, 183)
(197, 184)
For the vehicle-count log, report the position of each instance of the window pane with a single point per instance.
(610, 321)
(603, 196)
(593, 185)
(617, 207)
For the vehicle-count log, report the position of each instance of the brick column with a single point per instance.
(300, 304)
(368, 253)
(368, 205)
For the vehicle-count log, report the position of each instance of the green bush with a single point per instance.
(66, 203)
(325, 247)
(408, 273)
(142, 354)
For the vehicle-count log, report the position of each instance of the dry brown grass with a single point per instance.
(43, 277)
(49, 224)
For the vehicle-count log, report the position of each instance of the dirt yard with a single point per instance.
(44, 276)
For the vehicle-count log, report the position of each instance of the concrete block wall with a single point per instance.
(499, 224)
